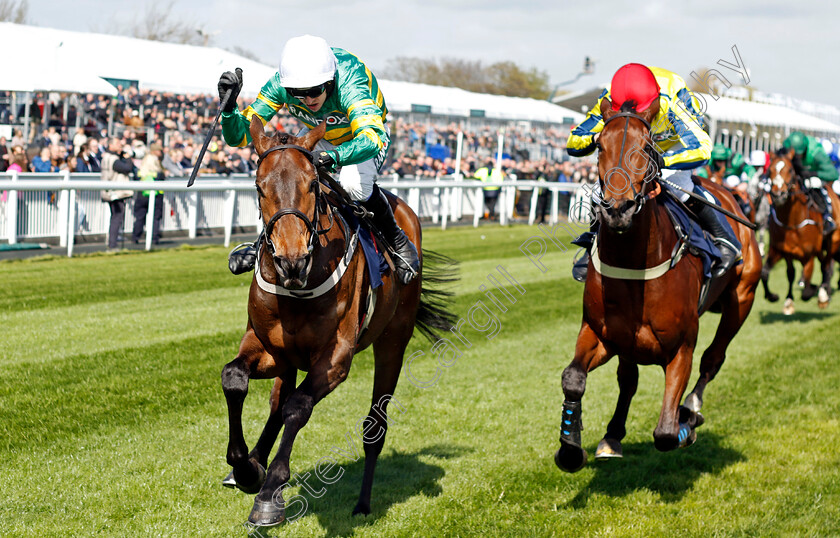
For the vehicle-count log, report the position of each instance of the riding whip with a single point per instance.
(212, 131)
(703, 199)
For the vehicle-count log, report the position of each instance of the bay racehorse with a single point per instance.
(311, 309)
(641, 297)
(796, 232)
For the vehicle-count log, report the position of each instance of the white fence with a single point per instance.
(67, 207)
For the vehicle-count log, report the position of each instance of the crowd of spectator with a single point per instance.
(179, 123)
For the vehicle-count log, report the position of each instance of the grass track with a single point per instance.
(113, 421)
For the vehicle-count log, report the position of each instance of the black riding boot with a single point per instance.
(828, 221)
(715, 223)
(406, 261)
(585, 240)
(243, 257)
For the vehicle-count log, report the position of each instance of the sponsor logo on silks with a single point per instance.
(379, 159)
(305, 117)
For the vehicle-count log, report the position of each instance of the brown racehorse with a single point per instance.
(796, 233)
(293, 326)
(643, 311)
(743, 199)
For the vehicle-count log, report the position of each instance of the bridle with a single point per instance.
(311, 225)
(638, 197)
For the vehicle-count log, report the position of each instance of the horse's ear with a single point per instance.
(312, 137)
(651, 111)
(258, 134)
(606, 108)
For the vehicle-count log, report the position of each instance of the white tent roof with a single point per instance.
(45, 65)
(191, 69)
(154, 64)
(757, 114)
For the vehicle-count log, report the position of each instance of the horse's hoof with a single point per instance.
(266, 514)
(609, 448)
(687, 436)
(788, 309)
(823, 298)
(808, 293)
(361, 508)
(229, 481)
(772, 298)
(255, 486)
(570, 458)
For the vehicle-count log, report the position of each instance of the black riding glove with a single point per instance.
(230, 82)
(325, 160)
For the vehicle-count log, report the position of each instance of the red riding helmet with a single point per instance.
(633, 82)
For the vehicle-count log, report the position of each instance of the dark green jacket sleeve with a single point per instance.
(271, 99)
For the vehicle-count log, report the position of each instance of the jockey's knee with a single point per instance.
(359, 185)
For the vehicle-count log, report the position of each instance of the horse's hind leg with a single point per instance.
(590, 353)
(808, 288)
(735, 307)
(772, 258)
(628, 381)
(388, 355)
(788, 307)
(827, 267)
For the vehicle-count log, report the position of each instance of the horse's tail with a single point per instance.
(433, 314)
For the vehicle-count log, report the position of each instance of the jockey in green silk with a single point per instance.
(319, 84)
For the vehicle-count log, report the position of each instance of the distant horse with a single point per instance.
(309, 309)
(641, 299)
(742, 197)
(796, 233)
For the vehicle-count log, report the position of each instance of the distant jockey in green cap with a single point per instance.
(815, 167)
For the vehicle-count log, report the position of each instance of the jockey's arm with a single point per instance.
(823, 167)
(582, 138)
(236, 124)
(366, 123)
(694, 147)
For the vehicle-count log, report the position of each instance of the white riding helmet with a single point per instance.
(732, 181)
(306, 61)
(757, 158)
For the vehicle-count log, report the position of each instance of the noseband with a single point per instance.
(638, 197)
(311, 225)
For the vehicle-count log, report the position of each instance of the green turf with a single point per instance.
(113, 422)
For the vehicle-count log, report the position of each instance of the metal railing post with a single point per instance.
(11, 212)
(230, 205)
(150, 219)
(63, 209)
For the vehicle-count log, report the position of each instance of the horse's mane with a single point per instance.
(628, 106)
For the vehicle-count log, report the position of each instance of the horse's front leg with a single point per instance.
(669, 432)
(590, 352)
(248, 474)
(773, 256)
(326, 373)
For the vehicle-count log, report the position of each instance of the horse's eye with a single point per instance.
(259, 191)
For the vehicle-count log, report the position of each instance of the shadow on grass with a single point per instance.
(669, 474)
(797, 317)
(398, 478)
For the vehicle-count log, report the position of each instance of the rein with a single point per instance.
(638, 197)
(350, 239)
(311, 225)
